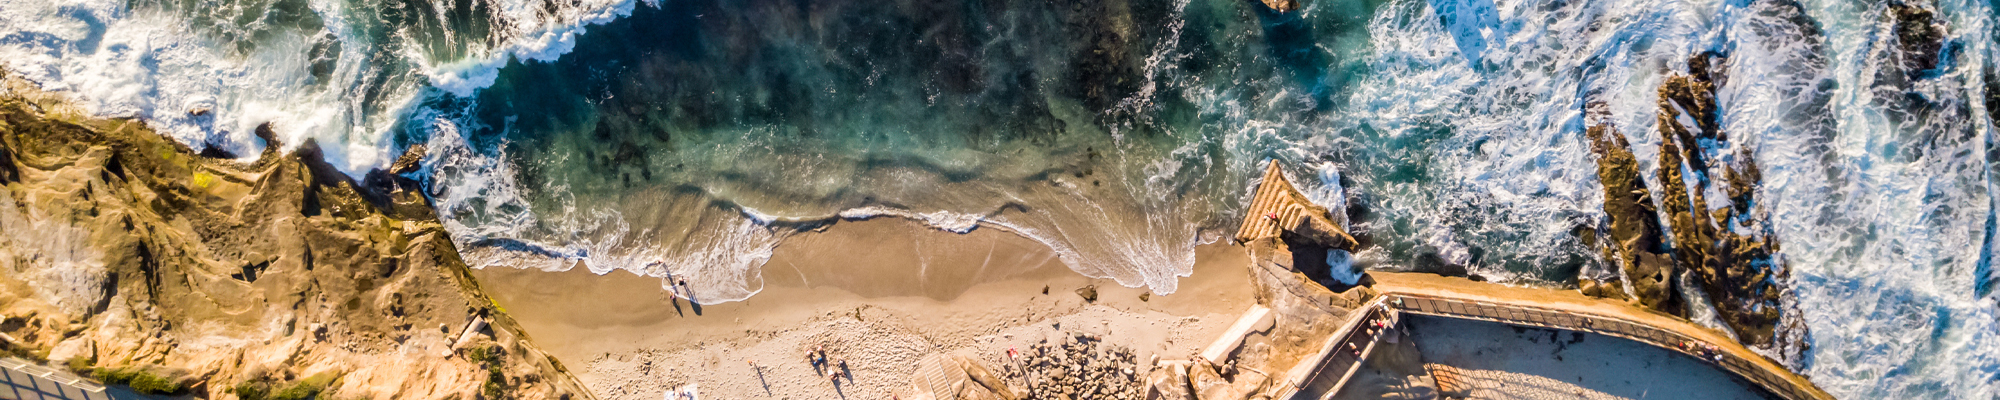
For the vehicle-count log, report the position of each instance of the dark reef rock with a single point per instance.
(1992, 78)
(1730, 250)
(1919, 37)
(1635, 244)
(1106, 68)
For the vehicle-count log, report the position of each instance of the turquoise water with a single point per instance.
(688, 138)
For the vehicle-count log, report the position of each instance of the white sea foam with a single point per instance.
(188, 83)
(948, 221)
(543, 38)
(1340, 266)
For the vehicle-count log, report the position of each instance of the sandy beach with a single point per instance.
(881, 294)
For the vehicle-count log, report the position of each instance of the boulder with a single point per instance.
(986, 379)
(1281, 5)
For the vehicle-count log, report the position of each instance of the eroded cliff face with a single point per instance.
(132, 257)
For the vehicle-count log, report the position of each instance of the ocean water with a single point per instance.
(686, 139)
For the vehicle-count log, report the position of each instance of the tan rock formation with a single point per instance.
(1278, 209)
(1635, 244)
(1729, 249)
(135, 258)
(1281, 5)
(1169, 382)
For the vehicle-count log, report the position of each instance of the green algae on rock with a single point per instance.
(1730, 249)
(1635, 235)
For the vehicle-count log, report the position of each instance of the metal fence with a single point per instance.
(28, 381)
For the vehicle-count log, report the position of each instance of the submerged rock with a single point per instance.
(1919, 37)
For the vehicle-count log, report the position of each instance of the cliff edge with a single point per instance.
(131, 258)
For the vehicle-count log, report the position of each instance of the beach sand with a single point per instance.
(881, 294)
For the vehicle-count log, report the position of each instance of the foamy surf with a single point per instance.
(346, 77)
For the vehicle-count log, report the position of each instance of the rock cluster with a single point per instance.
(1725, 244)
(1080, 367)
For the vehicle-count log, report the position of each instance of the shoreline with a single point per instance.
(625, 336)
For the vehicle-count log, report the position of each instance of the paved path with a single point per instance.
(1561, 309)
(1322, 375)
(24, 380)
(1342, 354)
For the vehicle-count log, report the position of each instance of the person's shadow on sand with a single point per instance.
(760, 379)
(676, 299)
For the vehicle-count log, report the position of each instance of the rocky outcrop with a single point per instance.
(1914, 86)
(1635, 242)
(1727, 243)
(1717, 232)
(128, 256)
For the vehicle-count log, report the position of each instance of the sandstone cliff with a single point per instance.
(135, 259)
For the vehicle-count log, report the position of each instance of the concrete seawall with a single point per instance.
(1433, 295)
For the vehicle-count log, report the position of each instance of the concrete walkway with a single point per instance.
(1435, 295)
(1322, 375)
(27, 381)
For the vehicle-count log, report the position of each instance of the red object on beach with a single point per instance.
(1011, 354)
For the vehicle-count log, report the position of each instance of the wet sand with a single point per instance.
(880, 293)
